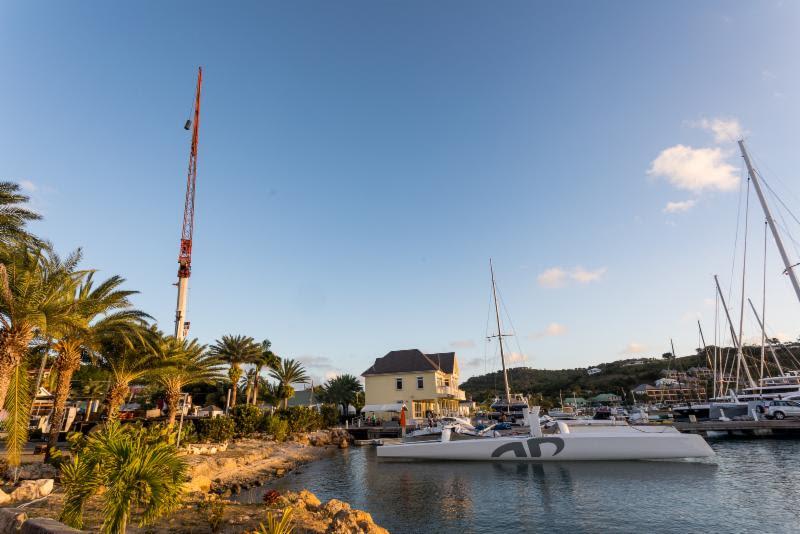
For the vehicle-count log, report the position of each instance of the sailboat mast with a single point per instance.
(736, 341)
(500, 337)
(770, 221)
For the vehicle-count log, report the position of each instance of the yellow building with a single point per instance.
(426, 383)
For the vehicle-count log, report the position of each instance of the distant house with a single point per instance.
(594, 371)
(304, 397)
(576, 402)
(427, 384)
(661, 382)
(605, 399)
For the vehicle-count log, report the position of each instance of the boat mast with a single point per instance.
(500, 338)
(735, 338)
(763, 340)
(770, 221)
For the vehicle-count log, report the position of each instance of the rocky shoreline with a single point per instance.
(220, 472)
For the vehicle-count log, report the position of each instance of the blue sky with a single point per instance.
(360, 162)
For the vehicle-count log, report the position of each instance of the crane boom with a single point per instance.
(185, 252)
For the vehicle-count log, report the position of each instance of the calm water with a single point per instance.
(750, 486)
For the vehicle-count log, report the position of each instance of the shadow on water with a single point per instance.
(659, 496)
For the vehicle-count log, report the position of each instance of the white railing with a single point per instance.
(453, 391)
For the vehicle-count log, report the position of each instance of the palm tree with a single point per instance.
(14, 216)
(185, 363)
(90, 303)
(342, 390)
(267, 359)
(288, 372)
(35, 289)
(127, 357)
(235, 351)
(135, 469)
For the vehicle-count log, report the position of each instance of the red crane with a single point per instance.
(185, 254)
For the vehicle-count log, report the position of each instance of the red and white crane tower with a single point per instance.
(185, 254)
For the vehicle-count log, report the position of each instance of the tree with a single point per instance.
(96, 320)
(14, 216)
(35, 285)
(134, 468)
(343, 391)
(235, 351)
(267, 359)
(128, 356)
(184, 363)
(288, 372)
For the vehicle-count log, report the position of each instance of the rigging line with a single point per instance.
(744, 272)
(774, 174)
(513, 330)
(764, 299)
(736, 236)
(778, 198)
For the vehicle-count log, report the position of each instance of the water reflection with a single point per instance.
(667, 496)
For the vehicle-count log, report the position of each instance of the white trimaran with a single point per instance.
(613, 441)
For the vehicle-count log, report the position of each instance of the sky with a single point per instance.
(360, 163)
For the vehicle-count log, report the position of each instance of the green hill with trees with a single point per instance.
(620, 377)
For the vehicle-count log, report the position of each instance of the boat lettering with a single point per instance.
(534, 446)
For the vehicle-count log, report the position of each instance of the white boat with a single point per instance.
(603, 442)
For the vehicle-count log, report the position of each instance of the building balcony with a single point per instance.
(449, 391)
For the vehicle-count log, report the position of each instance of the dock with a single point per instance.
(786, 427)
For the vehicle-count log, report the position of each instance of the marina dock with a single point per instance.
(786, 427)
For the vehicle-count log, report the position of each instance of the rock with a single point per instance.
(258, 483)
(354, 522)
(33, 471)
(344, 444)
(198, 483)
(11, 519)
(280, 472)
(301, 438)
(4, 498)
(29, 490)
(334, 506)
(44, 525)
(235, 489)
(310, 500)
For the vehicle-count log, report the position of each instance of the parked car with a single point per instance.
(781, 409)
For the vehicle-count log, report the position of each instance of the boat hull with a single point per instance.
(566, 447)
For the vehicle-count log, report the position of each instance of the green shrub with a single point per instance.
(277, 427)
(246, 419)
(301, 419)
(330, 415)
(216, 430)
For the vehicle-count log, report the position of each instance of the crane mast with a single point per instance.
(185, 253)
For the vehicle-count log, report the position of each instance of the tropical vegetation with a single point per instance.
(66, 327)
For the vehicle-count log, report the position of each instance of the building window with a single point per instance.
(398, 383)
(418, 410)
(447, 382)
(420, 383)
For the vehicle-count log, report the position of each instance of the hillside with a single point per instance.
(618, 377)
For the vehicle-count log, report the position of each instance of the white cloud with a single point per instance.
(679, 206)
(474, 362)
(516, 358)
(553, 277)
(555, 329)
(695, 169)
(462, 344)
(28, 186)
(724, 130)
(583, 276)
(552, 330)
(634, 348)
(316, 362)
(556, 277)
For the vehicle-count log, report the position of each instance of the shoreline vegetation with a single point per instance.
(67, 331)
(215, 478)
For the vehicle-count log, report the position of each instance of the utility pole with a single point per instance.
(500, 338)
(770, 221)
(187, 230)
